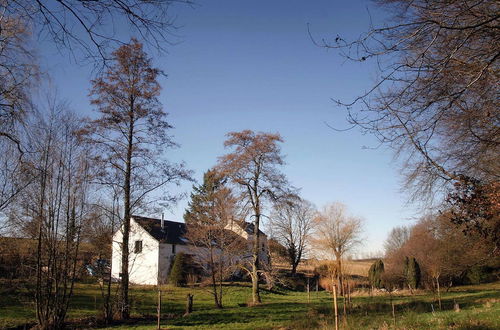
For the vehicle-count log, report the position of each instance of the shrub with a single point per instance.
(178, 271)
(412, 272)
(375, 274)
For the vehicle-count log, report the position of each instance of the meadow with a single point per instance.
(281, 309)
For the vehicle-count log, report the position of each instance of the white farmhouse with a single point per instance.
(153, 244)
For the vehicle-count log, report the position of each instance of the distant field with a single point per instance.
(352, 267)
(479, 309)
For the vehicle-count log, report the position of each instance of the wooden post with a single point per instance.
(335, 306)
(439, 292)
(308, 292)
(349, 294)
(393, 310)
(158, 309)
(189, 304)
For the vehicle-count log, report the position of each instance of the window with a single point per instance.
(173, 248)
(138, 247)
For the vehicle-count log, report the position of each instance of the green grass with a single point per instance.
(480, 309)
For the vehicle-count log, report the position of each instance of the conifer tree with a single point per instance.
(216, 250)
(177, 275)
(412, 272)
(375, 274)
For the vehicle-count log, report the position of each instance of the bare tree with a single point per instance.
(436, 101)
(252, 166)
(336, 234)
(396, 239)
(18, 72)
(131, 136)
(88, 29)
(105, 219)
(55, 207)
(292, 224)
(215, 249)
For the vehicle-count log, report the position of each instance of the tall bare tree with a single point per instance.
(252, 166)
(131, 135)
(436, 101)
(292, 225)
(336, 234)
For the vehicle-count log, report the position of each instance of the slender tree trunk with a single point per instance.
(335, 307)
(339, 274)
(438, 292)
(125, 311)
(255, 264)
(214, 279)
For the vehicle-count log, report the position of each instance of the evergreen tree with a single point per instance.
(375, 274)
(178, 272)
(412, 272)
(215, 249)
(204, 199)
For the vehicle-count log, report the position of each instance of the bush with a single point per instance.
(479, 274)
(412, 272)
(375, 274)
(178, 271)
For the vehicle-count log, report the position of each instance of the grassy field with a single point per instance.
(479, 309)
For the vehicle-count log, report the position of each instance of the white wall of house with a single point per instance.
(144, 264)
(151, 265)
(263, 248)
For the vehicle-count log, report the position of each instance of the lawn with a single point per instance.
(479, 309)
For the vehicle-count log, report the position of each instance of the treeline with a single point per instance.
(435, 253)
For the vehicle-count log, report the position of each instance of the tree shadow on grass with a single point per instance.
(272, 312)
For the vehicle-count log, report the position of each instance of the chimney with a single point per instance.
(162, 222)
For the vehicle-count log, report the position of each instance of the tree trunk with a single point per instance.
(125, 309)
(339, 274)
(294, 269)
(334, 289)
(255, 265)
(438, 292)
(189, 304)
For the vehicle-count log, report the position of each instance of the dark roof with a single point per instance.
(249, 228)
(172, 233)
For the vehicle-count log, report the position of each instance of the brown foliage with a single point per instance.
(443, 252)
(131, 136)
(252, 166)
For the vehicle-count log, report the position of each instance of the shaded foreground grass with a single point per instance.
(480, 309)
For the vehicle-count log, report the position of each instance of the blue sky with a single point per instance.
(252, 65)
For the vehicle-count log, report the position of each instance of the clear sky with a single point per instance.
(252, 65)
